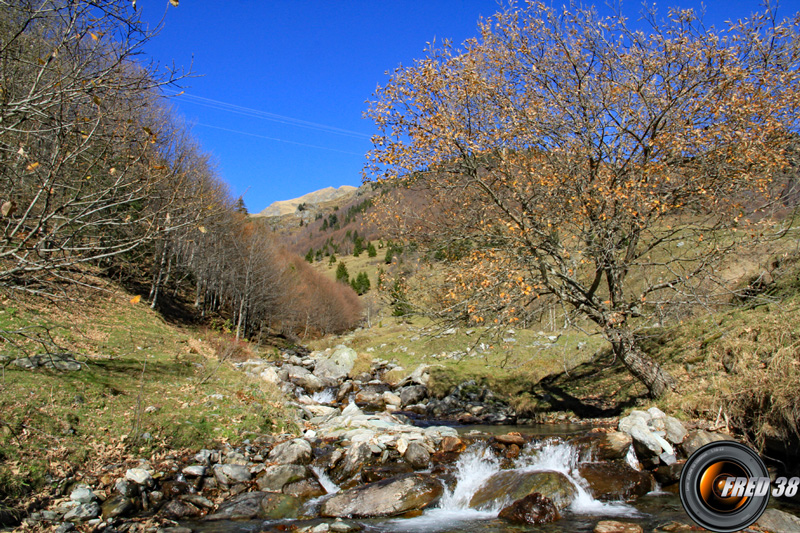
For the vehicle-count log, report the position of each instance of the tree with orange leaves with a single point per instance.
(570, 156)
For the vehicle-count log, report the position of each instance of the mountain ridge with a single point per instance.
(285, 207)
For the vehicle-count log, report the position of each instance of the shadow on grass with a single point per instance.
(599, 388)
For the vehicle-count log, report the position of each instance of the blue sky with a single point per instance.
(281, 85)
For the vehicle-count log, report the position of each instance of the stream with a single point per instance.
(469, 474)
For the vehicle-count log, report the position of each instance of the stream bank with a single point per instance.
(380, 456)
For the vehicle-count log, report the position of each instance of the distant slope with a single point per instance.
(286, 207)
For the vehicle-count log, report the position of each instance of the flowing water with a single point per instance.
(474, 467)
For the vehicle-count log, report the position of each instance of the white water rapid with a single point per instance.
(479, 463)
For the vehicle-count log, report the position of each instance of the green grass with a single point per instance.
(133, 360)
(509, 368)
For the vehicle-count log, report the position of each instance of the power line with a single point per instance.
(265, 115)
(277, 139)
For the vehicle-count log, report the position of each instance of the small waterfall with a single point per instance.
(473, 468)
(564, 458)
(326, 482)
(324, 397)
(632, 460)
(479, 463)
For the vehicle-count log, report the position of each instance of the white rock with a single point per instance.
(270, 375)
(402, 445)
(140, 476)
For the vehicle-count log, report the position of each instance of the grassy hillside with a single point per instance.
(145, 385)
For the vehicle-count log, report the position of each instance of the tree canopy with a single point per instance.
(610, 169)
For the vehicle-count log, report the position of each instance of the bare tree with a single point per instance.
(82, 171)
(571, 157)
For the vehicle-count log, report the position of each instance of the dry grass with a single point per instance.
(145, 386)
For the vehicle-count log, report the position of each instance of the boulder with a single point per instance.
(511, 438)
(669, 474)
(699, 438)
(420, 376)
(140, 476)
(296, 451)
(379, 472)
(82, 494)
(453, 444)
(532, 509)
(274, 478)
(604, 445)
(416, 455)
(776, 521)
(180, 510)
(117, 505)
(270, 375)
(675, 430)
(388, 497)
(413, 394)
(264, 505)
(390, 398)
(356, 457)
(612, 526)
(305, 489)
(510, 485)
(231, 474)
(338, 365)
(83, 512)
(615, 481)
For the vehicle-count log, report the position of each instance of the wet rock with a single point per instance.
(388, 497)
(297, 451)
(416, 455)
(304, 489)
(343, 527)
(613, 445)
(338, 365)
(776, 521)
(264, 505)
(377, 473)
(83, 512)
(117, 505)
(699, 438)
(274, 478)
(612, 526)
(140, 476)
(511, 438)
(669, 474)
(452, 444)
(413, 394)
(532, 509)
(514, 485)
(231, 474)
(180, 510)
(347, 388)
(615, 481)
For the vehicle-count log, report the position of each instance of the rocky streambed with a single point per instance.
(362, 463)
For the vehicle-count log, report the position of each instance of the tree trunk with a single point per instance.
(642, 366)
